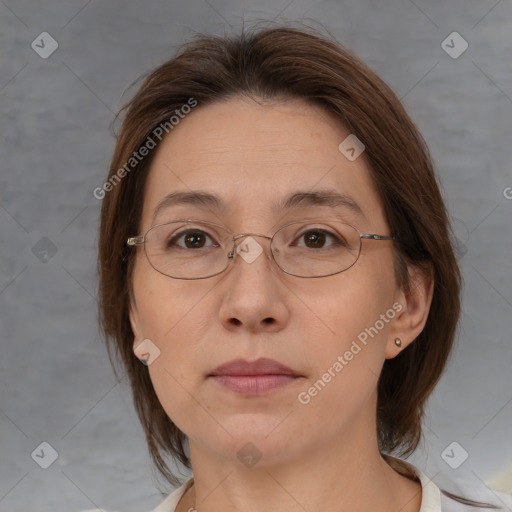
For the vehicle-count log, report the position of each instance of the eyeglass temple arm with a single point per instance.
(371, 236)
(135, 240)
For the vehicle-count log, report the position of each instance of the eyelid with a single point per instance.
(219, 226)
(330, 232)
(206, 230)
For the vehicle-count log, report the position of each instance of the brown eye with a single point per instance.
(194, 240)
(191, 239)
(314, 239)
(319, 239)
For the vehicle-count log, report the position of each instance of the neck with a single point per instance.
(347, 476)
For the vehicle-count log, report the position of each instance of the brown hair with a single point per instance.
(297, 63)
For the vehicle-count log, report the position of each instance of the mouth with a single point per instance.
(254, 378)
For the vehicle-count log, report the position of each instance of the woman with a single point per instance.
(277, 276)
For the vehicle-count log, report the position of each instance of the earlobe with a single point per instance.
(412, 319)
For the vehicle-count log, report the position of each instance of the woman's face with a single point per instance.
(253, 157)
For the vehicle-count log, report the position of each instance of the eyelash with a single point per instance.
(337, 240)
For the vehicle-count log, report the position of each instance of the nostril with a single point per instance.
(235, 321)
(269, 320)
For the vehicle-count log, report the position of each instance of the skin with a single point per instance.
(319, 456)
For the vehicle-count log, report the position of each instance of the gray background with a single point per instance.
(56, 384)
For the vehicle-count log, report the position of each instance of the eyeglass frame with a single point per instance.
(133, 241)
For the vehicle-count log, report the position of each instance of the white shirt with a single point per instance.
(432, 499)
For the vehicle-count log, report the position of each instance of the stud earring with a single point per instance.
(398, 342)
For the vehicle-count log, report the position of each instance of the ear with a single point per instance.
(412, 318)
(134, 321)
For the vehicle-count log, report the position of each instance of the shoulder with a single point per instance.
(462, 497)
(167, 505)
(469, 499)
(170, 502)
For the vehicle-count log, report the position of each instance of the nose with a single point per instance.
(253, 296)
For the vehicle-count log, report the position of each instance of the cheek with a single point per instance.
(346, 305)
(171, 321)
(348, 358)
(353, 314)
(167, 314)
(165, 306)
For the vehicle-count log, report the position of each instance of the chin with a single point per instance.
(260, 443)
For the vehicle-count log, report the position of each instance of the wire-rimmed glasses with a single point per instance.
(198, 249)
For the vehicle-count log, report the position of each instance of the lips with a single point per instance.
(262, 366)
(254, 378)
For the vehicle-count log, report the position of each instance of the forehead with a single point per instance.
(252, 155)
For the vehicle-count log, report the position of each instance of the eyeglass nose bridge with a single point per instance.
(235, 238)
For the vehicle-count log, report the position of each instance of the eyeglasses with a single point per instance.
(197, 249)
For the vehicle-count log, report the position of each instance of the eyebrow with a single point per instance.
(209, 201)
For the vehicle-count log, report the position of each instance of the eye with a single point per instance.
(319, 239)
(191, 239)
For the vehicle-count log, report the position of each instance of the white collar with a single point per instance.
(430, 493)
